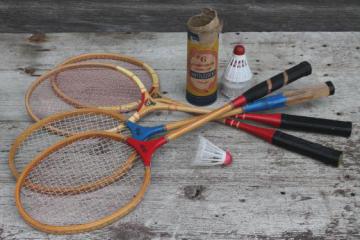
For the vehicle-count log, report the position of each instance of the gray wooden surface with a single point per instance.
(267, 193)
(171, 15)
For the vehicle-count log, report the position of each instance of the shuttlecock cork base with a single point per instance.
(237, 75)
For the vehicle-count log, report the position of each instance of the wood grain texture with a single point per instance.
(171, 16)
(267, 193)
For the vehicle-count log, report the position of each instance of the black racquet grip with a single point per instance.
(316, 151)
(317, 125)
(301, 70)
(278, 81)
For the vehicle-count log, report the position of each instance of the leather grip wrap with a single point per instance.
(278, 81)
(316, 151)
(316, 125)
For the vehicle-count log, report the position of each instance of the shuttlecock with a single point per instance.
(208, 154)
(237, 75)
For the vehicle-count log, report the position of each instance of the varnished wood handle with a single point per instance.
(299, 96)
(264, 88)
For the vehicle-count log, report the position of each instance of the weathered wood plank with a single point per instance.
(165, 16)
(267, 193)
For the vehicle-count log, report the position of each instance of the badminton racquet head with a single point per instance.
(50, 130)
(144, 71)
(101, 87)
(123, 90)
(69, 90)
(81, 183)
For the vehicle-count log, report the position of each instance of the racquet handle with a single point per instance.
(291, 97)
(301, 123)
(316, 151)
(258, 91)
(264, 88)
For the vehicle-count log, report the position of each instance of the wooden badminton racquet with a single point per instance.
(72, 80)
(142, 70)
(41, 101)
(92, 81)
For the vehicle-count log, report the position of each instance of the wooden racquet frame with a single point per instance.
(154, 90)
(146, 99)
(44, 123)
(124, 210)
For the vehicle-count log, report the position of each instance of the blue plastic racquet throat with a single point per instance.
(271, 102)
(142, 133)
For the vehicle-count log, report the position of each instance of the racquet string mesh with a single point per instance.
(43, 101)
(38, 139)
(97, 87)
(86, 180)
(83, 86)
(139, 71)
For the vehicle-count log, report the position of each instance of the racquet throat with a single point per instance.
(142, 133)
(146, 148)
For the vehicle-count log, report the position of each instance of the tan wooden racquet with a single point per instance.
(54, 128)
(144, 71)
(125, 92)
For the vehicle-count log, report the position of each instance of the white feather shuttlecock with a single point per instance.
(237, 75)
(208, 154)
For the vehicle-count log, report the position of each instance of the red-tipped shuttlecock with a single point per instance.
(237, 75)
(208, 154)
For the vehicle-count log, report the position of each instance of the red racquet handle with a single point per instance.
(316, 151)
(301, 123)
